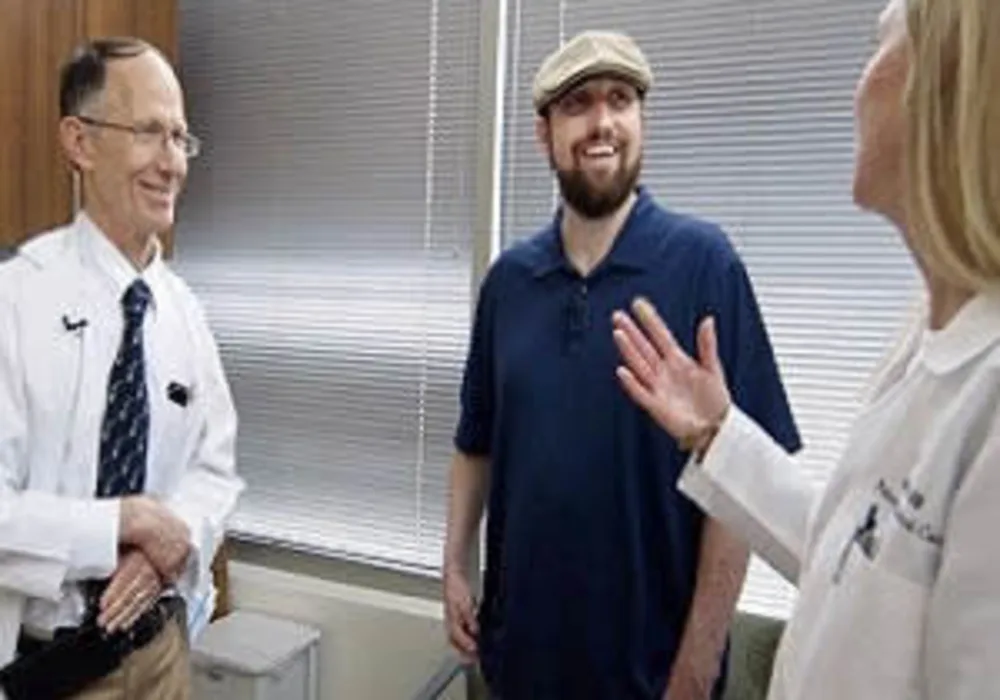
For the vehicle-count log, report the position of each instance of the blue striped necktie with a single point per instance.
(125, 430)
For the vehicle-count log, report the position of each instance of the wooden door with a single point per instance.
(36, 37)
(35, 186)
(11, 116)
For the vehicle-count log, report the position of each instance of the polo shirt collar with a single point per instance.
(632, 250)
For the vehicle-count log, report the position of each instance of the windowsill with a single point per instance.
(339, 570)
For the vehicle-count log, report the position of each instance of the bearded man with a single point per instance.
(602, 580)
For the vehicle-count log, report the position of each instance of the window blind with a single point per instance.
(750, 125)
(328, 228)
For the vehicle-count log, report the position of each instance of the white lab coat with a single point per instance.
(896, 559)
(52, 392)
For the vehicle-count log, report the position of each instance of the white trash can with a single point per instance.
(250, 656)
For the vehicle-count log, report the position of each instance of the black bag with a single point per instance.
(76, 657)
(61, 667)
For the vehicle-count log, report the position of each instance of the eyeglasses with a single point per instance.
(152, 135)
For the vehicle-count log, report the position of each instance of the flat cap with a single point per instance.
(588, 54)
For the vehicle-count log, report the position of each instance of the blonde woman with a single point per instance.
(897, 561)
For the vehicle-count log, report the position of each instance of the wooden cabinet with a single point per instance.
(36, 37)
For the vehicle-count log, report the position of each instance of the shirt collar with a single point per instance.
(631, 250)
(112, 265)
(974, 329)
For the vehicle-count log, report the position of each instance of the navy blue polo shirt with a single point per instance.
(591, 550)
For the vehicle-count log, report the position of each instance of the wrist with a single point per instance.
(454, 565)
(700, 440)
(132, 521)
(704, 441)
(694, 674)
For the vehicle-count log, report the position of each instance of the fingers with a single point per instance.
(638, 353)
(118, 598)
(661, 337)
(127, 604)
(635, 389)
(663, 344)
(469, 619)
(131, 608)
(463, 629)
(120, 583)
(133, 588)
(708, 347)
(462, 641)
(633, 360)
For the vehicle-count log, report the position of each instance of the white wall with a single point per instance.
(376, 645)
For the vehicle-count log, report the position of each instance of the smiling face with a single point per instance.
(132, 181)
(593, 138)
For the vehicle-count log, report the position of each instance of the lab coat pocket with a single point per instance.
(908, 538)
(178, 410)
(906, 554)
(879, 613)
(188, 426)
(880, 601)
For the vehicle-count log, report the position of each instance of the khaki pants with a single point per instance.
(158, 671)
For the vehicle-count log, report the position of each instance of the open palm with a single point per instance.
(682, 395)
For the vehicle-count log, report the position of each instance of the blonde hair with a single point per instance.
(953, 154)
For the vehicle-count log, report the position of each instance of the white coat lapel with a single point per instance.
(66, 315)
(79, 477)
(52, 353)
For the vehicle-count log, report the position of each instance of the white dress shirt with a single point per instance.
(896, 560)
(60, 327)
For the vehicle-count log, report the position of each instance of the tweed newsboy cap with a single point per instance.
(586, 55)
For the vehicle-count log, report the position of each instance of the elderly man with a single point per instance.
(602, 579)
(117, 426)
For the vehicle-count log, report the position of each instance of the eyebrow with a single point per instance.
(156, 121)
(610, 84)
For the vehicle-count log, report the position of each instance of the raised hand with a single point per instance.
(687, 398)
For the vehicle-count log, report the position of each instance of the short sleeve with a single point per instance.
(744, 345)
(474, 435)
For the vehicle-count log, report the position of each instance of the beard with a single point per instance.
(593, 201)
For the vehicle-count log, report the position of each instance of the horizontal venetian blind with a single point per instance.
(328, 229)
(749, 125)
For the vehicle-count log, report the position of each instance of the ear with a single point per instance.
(76, 143)
(543, 133)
